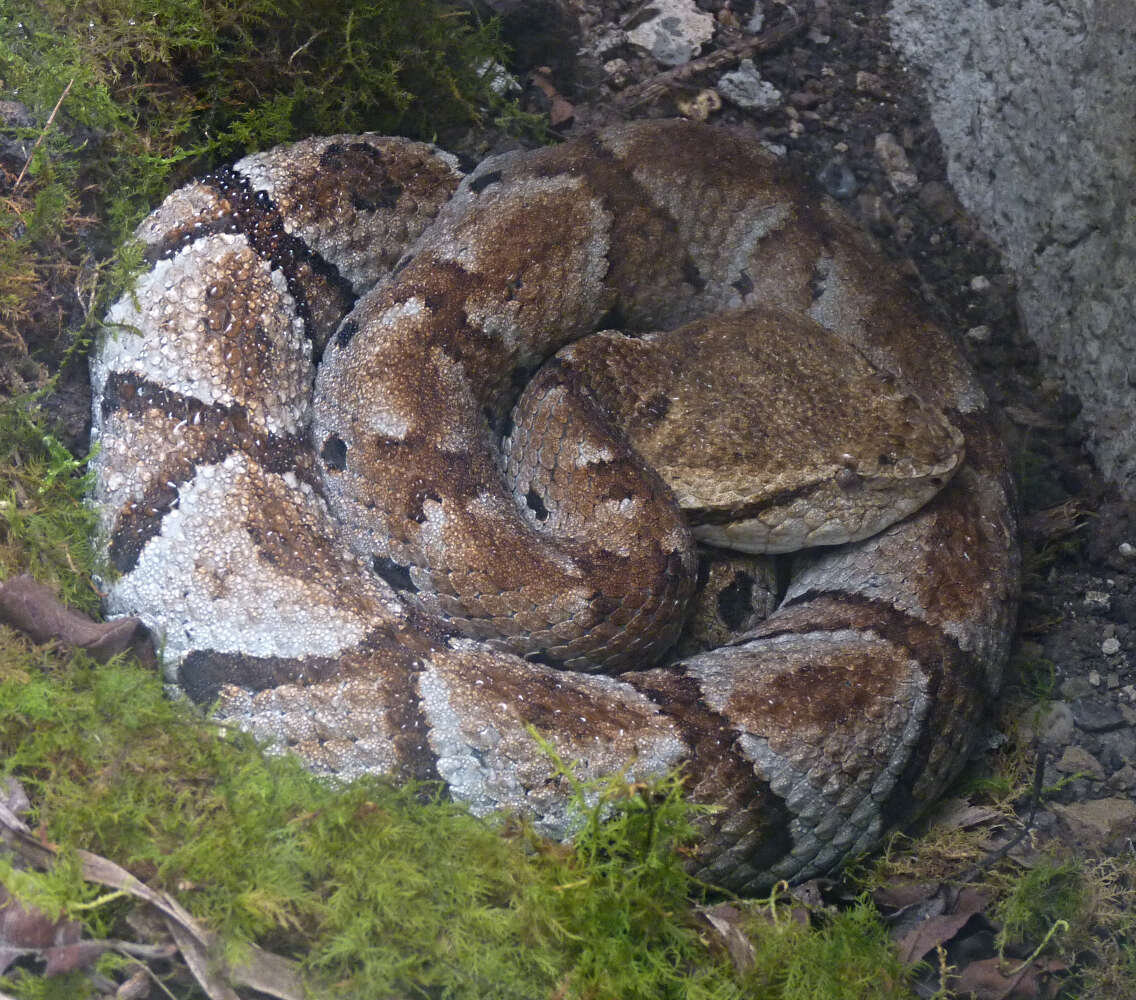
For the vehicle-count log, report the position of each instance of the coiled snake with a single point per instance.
(398, 572)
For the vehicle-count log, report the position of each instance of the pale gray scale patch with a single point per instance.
(465, 759)
(489, 758)
(588, 454)
(500, 320)
(204, 586)
(324, 721)
(357, 250)
(898, 567)
(472, 189)
(831, 807)
(742, 241)
(838, 303)
(387, 416)
(159, 332)
(859, 570)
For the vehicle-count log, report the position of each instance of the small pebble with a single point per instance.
(1110, 647)
(1123, 779)
(1097, 716)
(893, 159)
(870, 83)
(1097, 599)
(1056, 726)
(837, 179)
(745, 88)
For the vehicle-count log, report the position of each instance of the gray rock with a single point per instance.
(893, 158)
(837, 179)
(745, 88)
(1095, 715)
(1078, 760)
(1056, 726)
(1118, 748)
(1033, 101)
(673, 31)
(1099, 822)
(1123, 780)
(1076, 687)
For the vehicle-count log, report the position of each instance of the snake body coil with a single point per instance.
(398, 572)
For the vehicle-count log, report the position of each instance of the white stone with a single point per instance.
(675, 33)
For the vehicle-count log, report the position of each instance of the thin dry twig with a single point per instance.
(50, 119)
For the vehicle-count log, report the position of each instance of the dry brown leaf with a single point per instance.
(959, 814)
(34, 609)
(560, 110)
(1023, 416)
(726, 921)
(27, 930)
(137, 987)
(899, 895)
(938, 930)
(998, 979)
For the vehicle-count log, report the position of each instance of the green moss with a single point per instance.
(45, 528)
(848, 958)
(153, 93)
(222, 75)
(1042, 897)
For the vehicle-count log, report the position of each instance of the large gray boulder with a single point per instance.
(1035, 101)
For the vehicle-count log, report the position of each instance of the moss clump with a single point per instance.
(45, 528)
(1038, 900)
(849, 957)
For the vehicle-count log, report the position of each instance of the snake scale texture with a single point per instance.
(313, 486)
